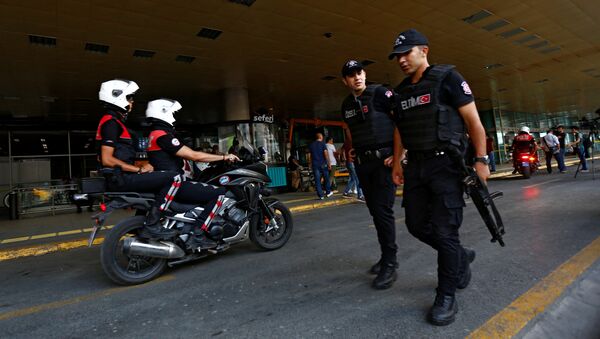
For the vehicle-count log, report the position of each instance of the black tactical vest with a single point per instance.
(424, 122)
(370, 129)
(159, 158)
(124, 149)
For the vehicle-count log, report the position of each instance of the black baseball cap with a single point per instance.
(407, 40)
(350, 66)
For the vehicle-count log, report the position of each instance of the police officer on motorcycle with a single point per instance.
(368, 113)
(167, 152)
(434, 105)
(116, 155)
(522, 143)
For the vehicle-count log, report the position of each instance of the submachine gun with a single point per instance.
(481, 197)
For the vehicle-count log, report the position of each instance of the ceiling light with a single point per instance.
(512, 32)
(539, 44)
(243, 2)
(46, 98)
(527, 39)
(550, 50)
(185, 58)
(96, 48)
(209, 33)
(328, 78)
(41, 40)
(495, 25)
(143, 54)
(477, 16)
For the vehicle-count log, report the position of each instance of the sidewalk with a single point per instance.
(34, 230)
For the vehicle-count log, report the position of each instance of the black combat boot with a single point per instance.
(465, 278)
(444, 309)
(153, 228)
(386, 276)
(377, 267)
(199, 241)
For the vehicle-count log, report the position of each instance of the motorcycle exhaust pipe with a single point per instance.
(163, 249)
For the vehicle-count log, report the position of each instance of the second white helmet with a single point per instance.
(525, 129)
(115, 92)
(163, 109)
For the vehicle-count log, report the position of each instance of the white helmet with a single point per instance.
(115, 92)
(525, 129)
(163, 109)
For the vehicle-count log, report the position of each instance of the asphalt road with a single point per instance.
(314, 287)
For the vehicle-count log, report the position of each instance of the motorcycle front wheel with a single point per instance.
(264, 234)
(122, 268)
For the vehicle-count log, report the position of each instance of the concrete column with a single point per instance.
(237, 106)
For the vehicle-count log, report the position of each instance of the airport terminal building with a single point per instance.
(245, 68)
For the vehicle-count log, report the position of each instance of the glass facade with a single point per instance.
(503, 125)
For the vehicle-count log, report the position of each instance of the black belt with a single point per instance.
(374, 154)
(422, 155)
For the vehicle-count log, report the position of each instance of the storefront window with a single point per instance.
(269, 136)
(83, 142)
(39, 143)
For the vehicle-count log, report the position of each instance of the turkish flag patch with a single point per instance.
(466, 88)
(365, 109)
(424, 99)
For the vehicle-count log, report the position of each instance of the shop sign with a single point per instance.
(264, 117)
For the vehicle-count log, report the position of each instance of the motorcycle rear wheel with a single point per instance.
(124, 269)
(527, 172)
(275, 238)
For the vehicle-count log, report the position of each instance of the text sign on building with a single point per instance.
(263, 117)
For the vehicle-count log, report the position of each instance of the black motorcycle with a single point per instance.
(246, 211)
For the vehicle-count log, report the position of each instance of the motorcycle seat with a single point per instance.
(177, 207)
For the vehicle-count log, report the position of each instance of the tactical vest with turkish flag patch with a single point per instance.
(425, 123)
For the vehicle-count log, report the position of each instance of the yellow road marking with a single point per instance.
(541, 183)
(50, 235)
(508, 322)
(295, 200)
(45, 249)
(8, 241)
(41, 236)
(76, 300)
(70, 232)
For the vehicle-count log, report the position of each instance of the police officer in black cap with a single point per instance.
(435, 107)
(368, 113)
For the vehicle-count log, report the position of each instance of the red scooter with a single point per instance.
(526, 164)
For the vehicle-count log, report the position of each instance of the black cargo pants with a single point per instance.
(433, 203)
(380, 192)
